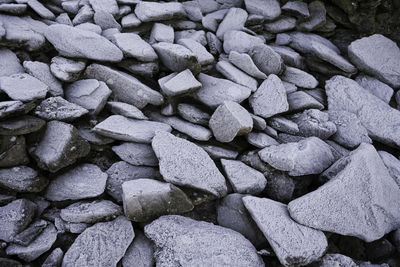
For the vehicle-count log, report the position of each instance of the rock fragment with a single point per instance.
(297, 8)
(313, 122)
(268, 9)
(245, 63)
(22, 179)
(375, 87)
(21, 125)
(41, 71)
(57, 108)
(267, 60)
(126, 110)
(13, 108)
(23, 87)
(233, 20)
(136, 154)
(392, 164)
(180, 83)
(54, 259)
(134, 46)
(317, 17)
(299, 78)
(9, 63)
(13, 151)
(240, 41)
(150, 11)
(193, 114)
(139, 252)
(236, 75)
(66, 69)
(161, 33)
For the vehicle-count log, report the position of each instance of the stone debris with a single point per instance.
(65, 69)
(23, 87)
(140, 252)
(57, 108)
(136, 154)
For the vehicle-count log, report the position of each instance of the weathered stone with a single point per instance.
(289, 56)
(22, 179)
(66, 69)
(134, 46)
(183, 163)
(313, 122)
(260, 140)
(12, 151)
(140, 252)
(213, 19)
(83, 181)
(109, 6)
(392, 164)
(203, 56)
(297, 8)
(375, 87)
(240, 42)
(293, 243)
(23, 87)
(41, 10)
(9, 63)
(362, 189)
(317, 17)
(145, 69)
(267, 60)
(300, 100)
(30, 233)
(105, 20)
(136, 154)
(302, 42)
(327, 54)
(151, 11)
(21, 125)
(299, 78)
(130, 21)
(233, 20)
(180, 83)
(219, 152)
(54, 259)
(268, 9)
(236, 75)
(336, 260)
(184, 241)
(283, 124)
(281, 25)
(85, 130)
(161, 33)
(41, 71)
(13, 108)
(57, 108)
(245, 63)
(193, 114)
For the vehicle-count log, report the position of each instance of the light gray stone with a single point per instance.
(145, 69)
(260, 140)
(283, 124)
(392, 164)
(302, 42)
(300, 100)
(236, 75)
(12, 108)
(181, 83)
(105, 20)
(136, 154)
(297, 8)
(361, 200)
(203, 56)
(151, 11)
(57, 108)
(193, 114)
(289, 56)
(91, 27)
(246, 64)
(233, 20)
(313, 122)
(213, 19)
(336, 260)
(219, 152)
(9, 63)
(258, 122)
(22, 179)
(317, 17)
(299, 78)
(375, 87)
(269, 9)
(132, 45)
(109, 6)
(140, 252)
(282, 24)
(30, 233)
(130, 21)
(23, 87)
(161, 33)
(65, 69)
(214, 44)
(41, 71)
(186, 164)
(293, 243)
(126, 110)
(267, 60)
(54, 259)
(21, 125)
(327, 54)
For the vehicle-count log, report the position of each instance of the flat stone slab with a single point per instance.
(245, 63)
(21, 125)
(193, 114)
(22, 179)
(136, 154)
(375, 87)
(126, 110)
(187, 242)
(293, 243)
(132, 45)
(268, 9)
(361, 199)
(65, 69)
(267, 60)
(181, 83)
(57, 108)
(140, 252)
(236, 75)
(299, 78)
(23, 87)
(186, 164)
(313, 122)
(234, 19)
(240, 41)
(150, 11)
(9, 63)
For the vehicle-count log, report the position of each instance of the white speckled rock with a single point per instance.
(233, 20)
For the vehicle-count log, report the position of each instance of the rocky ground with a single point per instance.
(199, 133)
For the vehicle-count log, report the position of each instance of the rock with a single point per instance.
(233, 20)
(201, 53)
(184, 241)
(150, 11)
(22, 179)
(289, 56)
(102, 244)
(375, 87)
(299, 101)
(230, 120)
(41, 10)
(215, 91)
(297, 8)
(83, 181)
(361, 189)
(317, 17)
(378, 56)
(136, 154)
(70, 147)
(302, 42)
(21, 125)
(125, 87)
(54, 259)
(281, 25)
(392, 164)
(309, 156)
(15, 217)
(41, 71)
(57, 108)
(140, 252)
(293, 243)
(177, 57)
(161, 33)
(258, 122)
(12, 151)
(40, 245)
(245, 63)
(90, 212)
(89, 94)
(130, 21)
(376, 116)
(214, 44)
(185, 164)
(121, 172)
(281, 187)
(9, 63)
(179, 83)
(218, 152)
(268, 9)
(313, 122)
(30, 233)
(132, 45)
(144, 69)
(336, 260)
(66, 70)
(105, 20)
(260, 140)
(267, 60)
(13, 108)
(240, 42)
(236, 75)
(147, 199)
(82, 44)
(126, 110)
(350, 132)
(23, 87)
(299, 78)
(121, 128)
(270, 98)
(108, 6)
(244, 179)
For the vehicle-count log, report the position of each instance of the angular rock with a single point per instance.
(126, 110)
(41, 71)
(23, 87)
(65, 69)
(150, 11)
(230, 120)
(12, 151)
(82, 44)
(236, 75)
(293, 243)
(13, 108)
(102, 244)
(260, 140)
(26, 237)
(21, 125)
(233, 20)
(184, 241)
(317, 17)
(375, 87)
(300, 100)
(309, 156)
(134, 46)
(270, 98)
(297, 8)
(193, 114)
(105, 20)
(140, 252)
(121, 128)
(83, 181)
(219, 152)
(327, 54)
(161, 33)
(41, 10)
(57, 108)
(268, 9)
(289, 56)
(299, 78)
(9, 63)
(392, 164)
(267, 60)
(245, 63)
(130, 21)
(240, 42)
(54, 259)
(22, 179)
(60, 146)
(136, 154)
(109, 6)
(359, 201)
(185, 164)
(203, 56)
(336, 260)
(181, 83)
(281, 25)
(313, 122)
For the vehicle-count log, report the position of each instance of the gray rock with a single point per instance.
(13, 151)
(297, 8)
(147, 199)
(9, 63)
(233, 20)
(121, 172)
(41, 10)
(65, 69)
(70, 147)
(184, 163)
(109, 6)
(5, 261)
(240, 42)
(13, 108)
(329, 55)
(313, 122)
(140, 252)
(281, 187)
(270, 98)
(244, 179)
(14, 9)
(309, 156)
(136, 154)
(376, 116)
(361, 189)
(105, 20)
(378, 56)
(258, 122)
(184, 241)
(215, 91)
(246, 64)
(83, 181)
(21, 125)
(150, 11)
(22, 211)
(300, 100)
(22, 179)
(145, 69)
(375, 87)
(30, 233)
(121, 128)
(23, 87)
(91, 27)
(392, 164)
(299, 78)
(177, 57)
(283, 124)
(335, 260)
(282, 24)
(289, 56)
(218, 152)
(193, 114)
(85, 130)
(82, 44)
(41, 71)
(317, 17)
(268, 9)
(302, 42)
(293, 243)
(130, 21)
(161, 33)
(179, 83)
(236, 75)
(37, 247)
(125, 87)
(230, 120)
(260, 140)
(103, 244)
(203, 56)
(90, 212)
(54, 259)
(212, 20)
(267, 60)
(132, 45)
(57, 108)
(350, 132)
(214, 44)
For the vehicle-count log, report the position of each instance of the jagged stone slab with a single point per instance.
(236, 75)
(21, 125)
(150, 11)
(313, 122)
(375, 87)
(267, 60)
(126, 110)
(245, 63)
(181, 83)
(22, 179)
(140, 252)
(9, 63)
(57, 108)
(260, 140)
(30, 233)
(41, 71)
(193, 114)
(23, 87)
(203, 56)
(361, 200)
(329, 55)
(240, 42)
(109, 6)
(233, 20)
(65, 69)
(299, 78)
(136, 154)
(184, 163)
(293, 243)
(184, 241)
(268, 9)
(134, 46)
(13, 108)
(297, 8)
